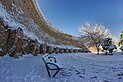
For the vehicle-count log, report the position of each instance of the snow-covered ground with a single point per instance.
(78, 67)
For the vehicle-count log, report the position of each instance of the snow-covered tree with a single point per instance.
(121, 48)
(95, 34)
(108, 45)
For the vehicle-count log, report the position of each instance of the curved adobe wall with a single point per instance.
(24, 10)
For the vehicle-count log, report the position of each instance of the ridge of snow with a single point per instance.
(5, 17)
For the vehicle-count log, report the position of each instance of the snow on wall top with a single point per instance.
(5, 17)
(8, 21)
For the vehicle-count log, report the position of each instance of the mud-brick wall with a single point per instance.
(3, 39)
(7, 4)
(12, 42)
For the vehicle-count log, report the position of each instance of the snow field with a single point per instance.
(78, 67)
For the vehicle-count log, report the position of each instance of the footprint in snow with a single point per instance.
(6, 72)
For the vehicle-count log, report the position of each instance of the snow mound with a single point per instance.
(121, 47)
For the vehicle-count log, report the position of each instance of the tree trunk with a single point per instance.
(97, 50)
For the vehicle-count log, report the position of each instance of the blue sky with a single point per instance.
(69, 15)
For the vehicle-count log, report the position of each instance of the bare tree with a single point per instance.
(95, 34)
